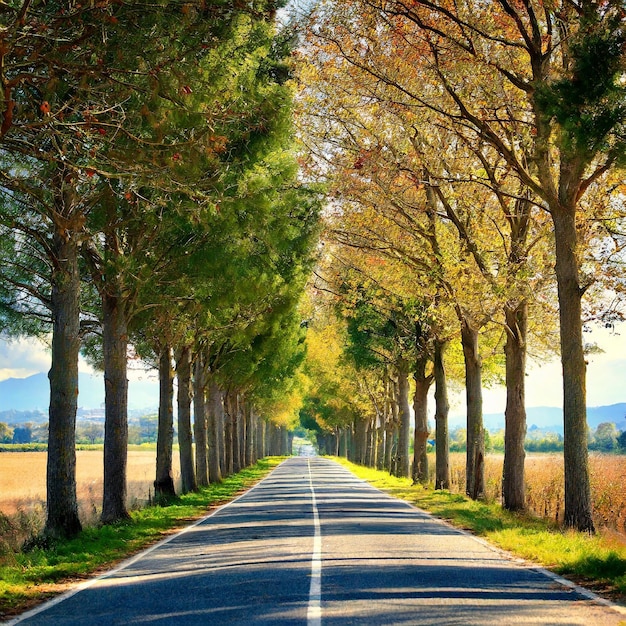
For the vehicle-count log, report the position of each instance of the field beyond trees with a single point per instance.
(23, 489)
(545, 485)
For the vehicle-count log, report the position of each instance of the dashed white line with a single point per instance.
(314, 612)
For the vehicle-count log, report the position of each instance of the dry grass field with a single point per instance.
(23, 482)
(544, 485)
(23, 485)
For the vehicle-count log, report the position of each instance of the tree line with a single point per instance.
(474, 153)
(151, 208)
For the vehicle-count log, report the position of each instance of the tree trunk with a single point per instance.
(370, 457)
(241, 430)
(404, 416)
(250, 446)
(360, 428)
(380, 447)
(115, 346)
(235, 420)
(420, 408)
(269, 437)
(513, 484)
(164, 482)
(62, 505)
(228, 438)
(185, 441)
(578, 513)
(391, 440)
(260, 437)
(200, 421)
(215, 421)
(475, 461)
(275, 442)
(442, 407)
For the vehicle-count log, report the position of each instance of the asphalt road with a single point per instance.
(311, 544)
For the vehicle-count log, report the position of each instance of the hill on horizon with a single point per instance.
(550, 418)
(33, 393)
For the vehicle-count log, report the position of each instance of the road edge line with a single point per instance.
(128, 562)
(565, 582)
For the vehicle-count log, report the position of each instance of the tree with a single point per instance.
(22, 434)
(6, 433)
(605, 437)
(566, 134)
(527, 108)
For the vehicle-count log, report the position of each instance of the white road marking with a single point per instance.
(131, 561)
(314, 613)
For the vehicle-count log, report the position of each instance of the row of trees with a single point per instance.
(475, 152)
(141, 430)
(150, 199)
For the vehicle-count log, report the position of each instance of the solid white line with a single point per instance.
(314, 613)
(89, 583)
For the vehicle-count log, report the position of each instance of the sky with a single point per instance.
(606, 373)
(23, 358)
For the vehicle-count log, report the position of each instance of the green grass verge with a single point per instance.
(598, 561)
(29, 577)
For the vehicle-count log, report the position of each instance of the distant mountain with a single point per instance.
(33, 393)
(550, 418)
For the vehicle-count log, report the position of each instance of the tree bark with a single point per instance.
(200, 421)
(62, 504)
(235, 421)
(215, 421)
(404, 416)
(420, 409)
(183, 376)
(250, 447)
(391, 440)
(513, 483)
(260, 437)
(380, 447)
(442, 407)
(164, 482)
(475, 461)
(228, 438)
(578, 510)
(115, 345)
(241, 429)
(360, 427)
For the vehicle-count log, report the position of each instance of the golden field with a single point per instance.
(23, 484)
(544, 485)
(23, 481)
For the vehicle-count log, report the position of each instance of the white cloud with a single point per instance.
(24, 357)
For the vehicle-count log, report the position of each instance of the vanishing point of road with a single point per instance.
(311, 544)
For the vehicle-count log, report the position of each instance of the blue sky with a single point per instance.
(606, 373)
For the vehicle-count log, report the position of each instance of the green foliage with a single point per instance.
(382, 325)
(589, 104)
(605, 438)
(23, 447)
(6, 433)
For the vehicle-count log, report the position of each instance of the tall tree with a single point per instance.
(563, 136)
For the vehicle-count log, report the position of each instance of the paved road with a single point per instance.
(311, 544)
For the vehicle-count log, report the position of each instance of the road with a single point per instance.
(311, 544)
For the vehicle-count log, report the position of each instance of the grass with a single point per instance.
(595, 561)
(28, 577)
